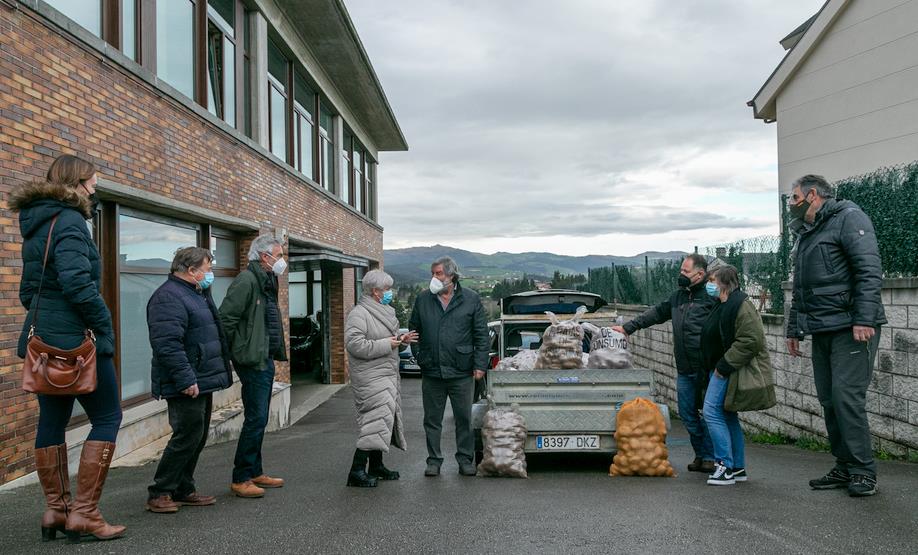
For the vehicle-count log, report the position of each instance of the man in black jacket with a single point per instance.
(688, 308)
(836, 299)
(452, 351)
(190, 362)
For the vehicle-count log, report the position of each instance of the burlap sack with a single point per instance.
(640, 436)
(504, 437)
(610, 357)
(562, 343)
(524, 360)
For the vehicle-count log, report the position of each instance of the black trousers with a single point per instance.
(190, 420)
(842, 368)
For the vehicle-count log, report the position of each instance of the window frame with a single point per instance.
(301, 111)
(224, 27)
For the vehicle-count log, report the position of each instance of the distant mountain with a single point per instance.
(413, 264)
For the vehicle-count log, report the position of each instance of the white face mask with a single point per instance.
(279, 265)
(436, 285)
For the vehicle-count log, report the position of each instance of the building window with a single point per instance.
(225, 249)
(175, 44)
(221, 60)
(277, 101)
(129, 28)
(358, 282)
(371, 190)
(304, 127)
(85, 13)
(246, 79)
(359, 187)
(146, 247)
(327, 148)
(346, 187)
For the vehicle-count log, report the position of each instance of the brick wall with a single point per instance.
(892, 398)
(59, 96)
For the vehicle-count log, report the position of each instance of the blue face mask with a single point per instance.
(386, 297)
(208, 279)
(712, 289)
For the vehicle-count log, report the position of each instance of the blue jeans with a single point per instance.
(256, 400)
(102, 406)
(687, 385)
(729, 444)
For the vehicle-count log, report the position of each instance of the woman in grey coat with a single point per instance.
(372, 342)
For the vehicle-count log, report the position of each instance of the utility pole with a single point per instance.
(646, 280)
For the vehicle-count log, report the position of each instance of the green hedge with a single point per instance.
(890, 197)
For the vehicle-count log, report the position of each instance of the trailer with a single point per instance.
(571, 410)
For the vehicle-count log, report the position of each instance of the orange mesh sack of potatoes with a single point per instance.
(640, 436)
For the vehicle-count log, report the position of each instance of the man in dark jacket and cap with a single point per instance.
(190, 362)
(254, 328)
(452, 351)
(836, 299)
(689, 307)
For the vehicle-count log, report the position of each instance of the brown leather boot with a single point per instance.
(51, 464)
(84, 517)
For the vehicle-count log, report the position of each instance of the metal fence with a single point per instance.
(763, 264)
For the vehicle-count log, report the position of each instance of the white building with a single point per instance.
(845, 97)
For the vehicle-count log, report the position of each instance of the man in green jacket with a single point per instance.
(452, 351)
(254, 330)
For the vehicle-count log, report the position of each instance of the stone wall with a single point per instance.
(892, 398)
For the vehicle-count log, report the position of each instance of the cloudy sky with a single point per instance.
(577, 127)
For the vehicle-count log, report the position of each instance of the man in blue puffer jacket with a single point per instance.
(190, 362)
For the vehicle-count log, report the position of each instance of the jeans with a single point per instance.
(724, 426)
(842, 369)
(687, 385)
(256, 400)
(102, 406)
(190, 420)
(434, 392)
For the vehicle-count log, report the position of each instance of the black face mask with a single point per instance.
(684, 281)
(94, 205)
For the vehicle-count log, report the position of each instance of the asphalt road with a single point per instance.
(569, 504)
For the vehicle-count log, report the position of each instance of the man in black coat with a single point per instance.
(452, 351)
(836, 299)
(689, 308)
(190, 362)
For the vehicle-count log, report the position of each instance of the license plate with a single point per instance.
(567, 443)
(411, 367)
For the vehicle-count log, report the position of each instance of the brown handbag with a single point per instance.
(51, 371)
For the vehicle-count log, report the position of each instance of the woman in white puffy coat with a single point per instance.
(372, 343)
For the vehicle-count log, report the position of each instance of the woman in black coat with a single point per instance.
(70, 304)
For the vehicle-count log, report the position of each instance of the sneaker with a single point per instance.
(721, 476)
(834, 479)
(862, 486)
(739, 474)
(433, 469)
(699, 465)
